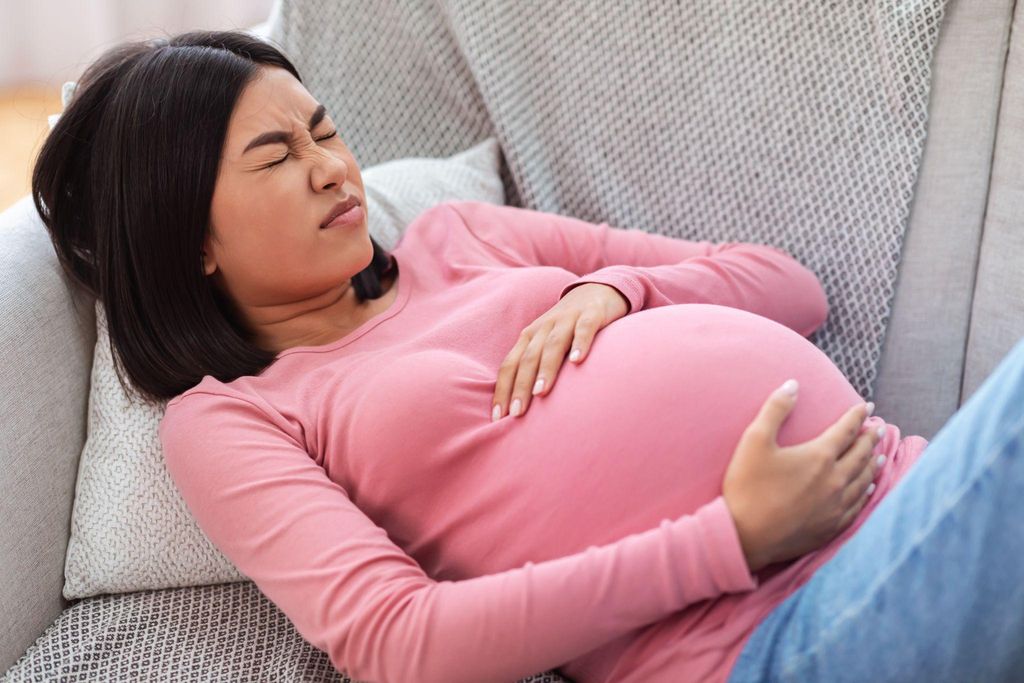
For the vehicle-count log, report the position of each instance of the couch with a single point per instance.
(958, 308)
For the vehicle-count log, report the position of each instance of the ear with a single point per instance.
(209, 262)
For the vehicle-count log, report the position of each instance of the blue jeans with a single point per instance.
(931, 586)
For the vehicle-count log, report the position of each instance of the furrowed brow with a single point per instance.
(277, 136)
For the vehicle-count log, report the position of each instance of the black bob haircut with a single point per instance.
(124, 184)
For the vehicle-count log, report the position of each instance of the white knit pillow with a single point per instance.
(130, 529)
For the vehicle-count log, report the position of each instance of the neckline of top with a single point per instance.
(404, 284)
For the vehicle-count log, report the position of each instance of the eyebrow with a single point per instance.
(276, 136)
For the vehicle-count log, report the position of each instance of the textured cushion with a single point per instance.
(227, 632)
(794, 123)
(130, 530)
(398, 191)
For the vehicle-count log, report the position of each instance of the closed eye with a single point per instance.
(326, 137)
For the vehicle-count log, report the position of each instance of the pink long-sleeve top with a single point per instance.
(362, 486)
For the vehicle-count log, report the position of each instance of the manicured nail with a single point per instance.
(538, 386)
(789, 387)
(496, 412)
(881, 432)
(575, 355)
(516, 405)
(871, 488)
(871, 407)
(880, 460)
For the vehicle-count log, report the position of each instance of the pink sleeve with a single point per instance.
(351, 592)
(651, 270)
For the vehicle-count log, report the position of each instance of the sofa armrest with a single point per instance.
(48, 341)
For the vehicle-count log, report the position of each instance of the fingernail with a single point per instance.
(575, 355)
(881, 432)
(496, 412)
(516, 405)
(538, 386)
(789, 387)
(871, 407)
(871, 488)
(880, 460)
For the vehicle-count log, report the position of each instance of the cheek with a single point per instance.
(280, 214)
(272, 192)
(264, 236)
(245, 209)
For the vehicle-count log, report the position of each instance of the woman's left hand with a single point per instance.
(530, 367)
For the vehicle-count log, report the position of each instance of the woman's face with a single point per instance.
(265, 248)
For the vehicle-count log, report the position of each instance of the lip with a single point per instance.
(342, 208)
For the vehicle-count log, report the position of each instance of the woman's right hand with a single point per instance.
(787, 501)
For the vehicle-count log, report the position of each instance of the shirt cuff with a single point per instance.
(726, 552)
(626, 286)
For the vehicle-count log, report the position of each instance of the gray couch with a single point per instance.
(958, 308)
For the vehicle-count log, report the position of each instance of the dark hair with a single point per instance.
(124, 183)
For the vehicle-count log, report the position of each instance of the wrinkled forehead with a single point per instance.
(273, 101)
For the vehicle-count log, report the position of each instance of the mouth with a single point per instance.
(340, 209)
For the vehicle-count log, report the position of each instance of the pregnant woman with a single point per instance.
(656, 508)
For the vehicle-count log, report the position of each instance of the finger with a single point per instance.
(507, 375)
(859, 455)
(859, 466)
(586, 328)
(526, 372)
(773, 413)
(838, 436)
(559, 340)
(862, 500)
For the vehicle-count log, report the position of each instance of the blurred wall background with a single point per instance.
(44, 43)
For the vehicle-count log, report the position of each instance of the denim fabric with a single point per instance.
(931, 587)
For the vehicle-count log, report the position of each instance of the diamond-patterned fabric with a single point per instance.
(223, 632)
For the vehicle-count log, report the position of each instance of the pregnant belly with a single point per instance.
(644, 428)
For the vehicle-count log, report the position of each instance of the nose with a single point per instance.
(329, 171)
